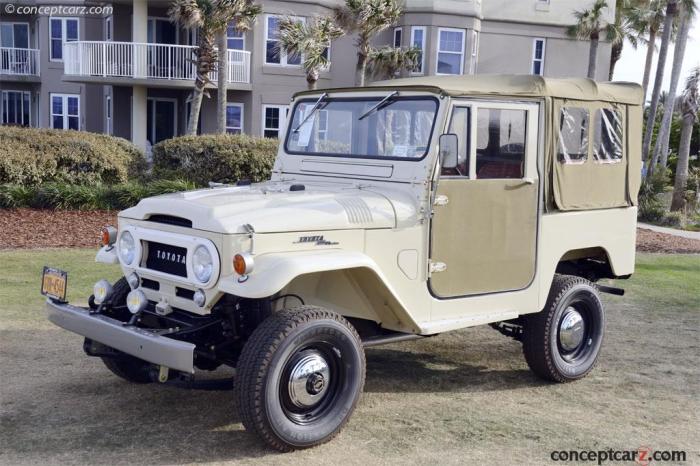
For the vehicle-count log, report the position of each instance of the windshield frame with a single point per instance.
(373, 98)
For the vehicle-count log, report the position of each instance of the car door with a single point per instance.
(485, 213)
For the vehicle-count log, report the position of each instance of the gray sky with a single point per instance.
(630, 67)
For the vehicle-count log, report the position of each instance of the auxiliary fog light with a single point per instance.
(136, 301)
(102, 291)
(199, 298)
(133, 280)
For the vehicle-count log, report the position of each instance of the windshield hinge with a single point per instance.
(441, 200)
(436, 267)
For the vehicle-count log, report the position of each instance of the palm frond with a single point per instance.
(387, 62)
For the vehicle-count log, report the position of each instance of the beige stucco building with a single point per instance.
(128, 71)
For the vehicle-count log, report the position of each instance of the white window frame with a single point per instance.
(64, 106)
(461, 54)
(282, 119)
(109, 29)
(534, 55)
(2, 104)
(108, 114)
(242, 107)
(397, 31)
(283, 53)
(64, 31)
(474, 59)
(151, 107)
(243, 38)
(322, 134)
(422, 48)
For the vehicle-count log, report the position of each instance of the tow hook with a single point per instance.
(163, 373)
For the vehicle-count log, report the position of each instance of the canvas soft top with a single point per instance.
(513, 85)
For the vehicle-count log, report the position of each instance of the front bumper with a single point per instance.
(137, 342)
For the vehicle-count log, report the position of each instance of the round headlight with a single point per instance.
(102, 291)
(199, 298)
(136, 301)
(202, 264)
(127, 248)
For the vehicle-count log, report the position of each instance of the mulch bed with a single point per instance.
(34, 228)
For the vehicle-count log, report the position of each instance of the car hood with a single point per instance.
(272, 207)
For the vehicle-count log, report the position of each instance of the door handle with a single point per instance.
(529, 180)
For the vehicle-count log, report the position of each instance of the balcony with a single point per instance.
(19, 62)
(153, 64)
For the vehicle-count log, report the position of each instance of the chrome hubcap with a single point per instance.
(308, 379)
(571, 329)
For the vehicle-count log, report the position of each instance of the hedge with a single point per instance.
(86, 197)
(223, 158)
(31, 156)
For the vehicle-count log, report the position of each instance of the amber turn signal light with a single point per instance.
(108, 235)
(243, 264)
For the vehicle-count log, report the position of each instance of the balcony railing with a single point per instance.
(144, 61)
(20, 62)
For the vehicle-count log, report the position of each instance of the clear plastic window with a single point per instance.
(573, 135)
(459, 125)
(500, 143)
(607, 136)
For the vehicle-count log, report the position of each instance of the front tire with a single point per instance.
(562, 342)
(299, 377)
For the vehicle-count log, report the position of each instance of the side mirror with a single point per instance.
(448, 150)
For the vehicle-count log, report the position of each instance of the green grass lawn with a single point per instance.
(660, 280)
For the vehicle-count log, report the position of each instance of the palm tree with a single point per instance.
(210, 17)
(387, 62)
(623, 23)
(671, 11)
(241, 16)
(661, 147)
(589, 25)
(366, 18)
(690, 104)
(646, 22)
(310, 40)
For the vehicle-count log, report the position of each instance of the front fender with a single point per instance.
(275, 271)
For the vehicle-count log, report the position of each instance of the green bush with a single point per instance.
(651, 209)
(673, 220)
(224, 158)
(86, 197)
(31, 156)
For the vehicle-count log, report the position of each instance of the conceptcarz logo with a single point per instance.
(170, 257)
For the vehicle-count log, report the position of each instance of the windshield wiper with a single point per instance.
(316, 106)
(380, 105)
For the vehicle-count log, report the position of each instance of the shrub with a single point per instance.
(86, 197)
(651, 209)
(673, 219)
(31, 156)
(224, 158)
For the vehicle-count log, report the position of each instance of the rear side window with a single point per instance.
(573, 135)
(607, 136)
(500, 143)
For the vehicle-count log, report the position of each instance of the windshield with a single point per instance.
(386, 126)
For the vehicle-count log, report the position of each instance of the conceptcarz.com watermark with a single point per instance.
(642, 456)
(57, 10)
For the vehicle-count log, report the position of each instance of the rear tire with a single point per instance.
(127, 367)
(299, 377)
(562, 342)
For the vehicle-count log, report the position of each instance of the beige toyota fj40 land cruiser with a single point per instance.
(396, 211)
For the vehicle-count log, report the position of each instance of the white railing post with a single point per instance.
(104, 59)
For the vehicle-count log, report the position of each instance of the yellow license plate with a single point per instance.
(53, 283)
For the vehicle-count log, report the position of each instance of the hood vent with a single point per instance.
(356, 209)
(170, 220)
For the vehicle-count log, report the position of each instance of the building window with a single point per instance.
(398, 32)
(108, 114)
(62, 30)
(16, 108)
(474, 59)
(274, 120)
(235, 39)
(234, 118)
(450, 56)
(109, 30)
(538, 57)
(14, 35)
(418, 41)
(65, 111)
(273, 56)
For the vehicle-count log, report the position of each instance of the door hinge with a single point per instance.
(441, 200)
(436, 267)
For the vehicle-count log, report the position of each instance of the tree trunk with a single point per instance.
(678, 202)
(361, 69)
(195, 106)
(312, 79)
(661, 149)
(615, 54)
(222, 78)
(651, 47)
(593, 56)
(671, 10)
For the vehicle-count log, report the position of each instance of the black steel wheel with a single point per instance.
(299, 377)
(562, 342)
